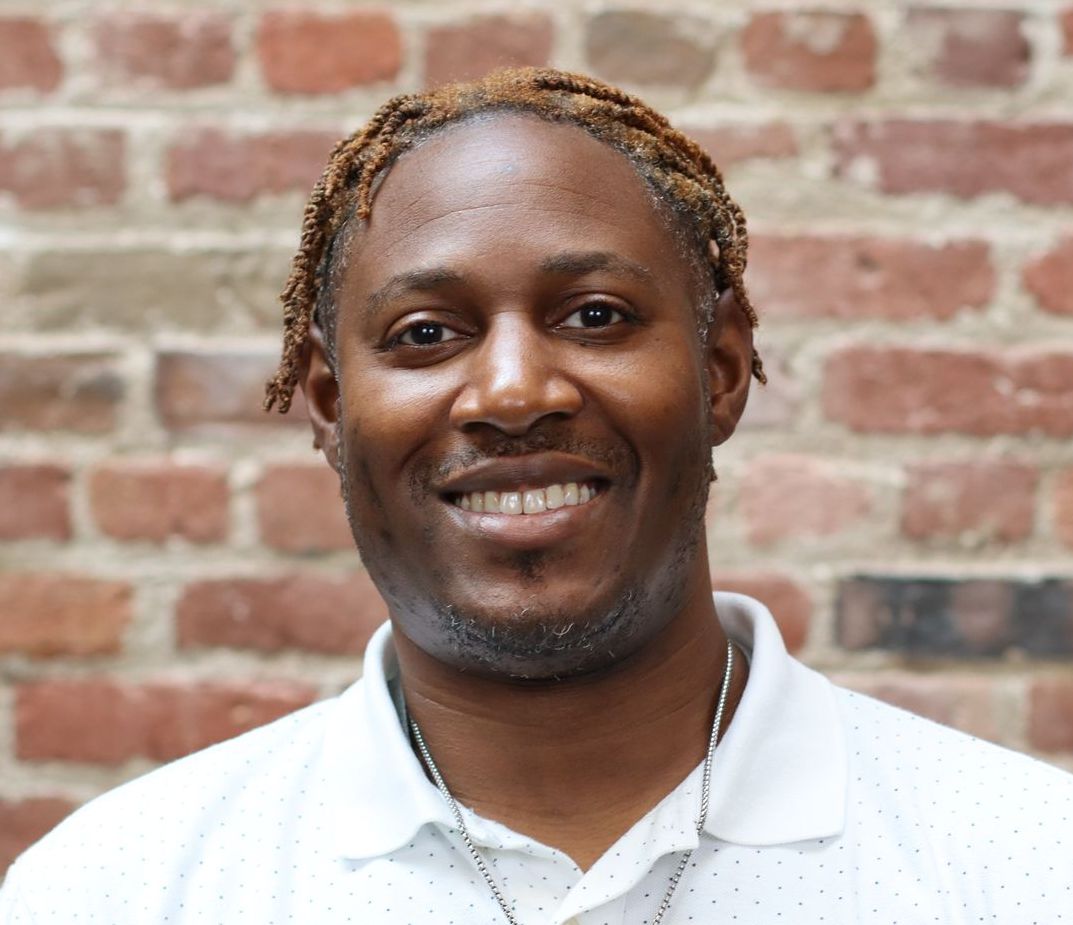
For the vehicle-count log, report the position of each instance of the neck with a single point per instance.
(575, 763)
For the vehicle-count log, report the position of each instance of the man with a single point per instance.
(519, 322)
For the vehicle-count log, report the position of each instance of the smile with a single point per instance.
(529, 500)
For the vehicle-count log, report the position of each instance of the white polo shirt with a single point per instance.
(826, 807)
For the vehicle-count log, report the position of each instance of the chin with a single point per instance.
(540, 642)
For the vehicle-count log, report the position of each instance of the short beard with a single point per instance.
(549, 648)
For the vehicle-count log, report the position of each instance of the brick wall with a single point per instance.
(175, 565)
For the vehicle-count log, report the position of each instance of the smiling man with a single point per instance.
(520, 325)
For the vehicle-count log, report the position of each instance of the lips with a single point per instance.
(526, 501)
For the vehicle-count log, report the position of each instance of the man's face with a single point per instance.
(517, 330)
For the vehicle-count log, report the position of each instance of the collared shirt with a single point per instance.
(826, 806)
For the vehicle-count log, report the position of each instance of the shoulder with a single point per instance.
(990, 818)
(154, 819)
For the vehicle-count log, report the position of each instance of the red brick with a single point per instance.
(1031, 161)
(33, 502)
(1063, 507)
(470, 49)
(731, 144)
(320, 53)
(855, 277)
(788, 602)
(319, 614)
(22, 822)
(237, 168)
(989, 500)
(50, 614)
(218, 391)
(639, 47)
(51, 168)
(1066, 24)
(1050, 278)
(155, 499)
(777, 403)
(177, 52)
(1050, 716)
(930, 391)
(300, 509)
(101, 721)
(968, 703)
(77, 392)
(972, 48)
(795, 496)
(811, 51)
(28, 56)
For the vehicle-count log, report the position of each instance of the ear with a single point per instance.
(730, 365)
(321, 389)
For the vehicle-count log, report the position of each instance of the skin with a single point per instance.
(564, 670)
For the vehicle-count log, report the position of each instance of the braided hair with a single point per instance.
(680, 172)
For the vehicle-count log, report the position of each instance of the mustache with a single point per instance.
(615, 456)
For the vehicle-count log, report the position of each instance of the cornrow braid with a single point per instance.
(681, 173)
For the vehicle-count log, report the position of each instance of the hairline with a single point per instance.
(691, 241)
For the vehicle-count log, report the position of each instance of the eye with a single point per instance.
(594, 315)
(426, 334)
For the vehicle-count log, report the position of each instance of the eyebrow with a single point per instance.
(411, 281)
(570, 263)
(578, 263)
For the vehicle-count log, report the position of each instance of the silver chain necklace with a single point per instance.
(705, 791)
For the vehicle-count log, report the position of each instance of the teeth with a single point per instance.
(530, 501)
(534, 502)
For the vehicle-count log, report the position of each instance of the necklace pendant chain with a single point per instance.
(705, 793)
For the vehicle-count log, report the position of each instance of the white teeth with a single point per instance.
(530, 501)
(553, 496)
(534, 502)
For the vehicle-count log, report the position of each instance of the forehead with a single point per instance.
(513, 179)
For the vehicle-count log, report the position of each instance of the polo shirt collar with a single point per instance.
(780, 772)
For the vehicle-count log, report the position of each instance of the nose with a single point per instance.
(514, 379)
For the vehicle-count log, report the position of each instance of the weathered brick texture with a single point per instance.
(22, 822)
(237, 168)
(176, 52)
(299, 509)
(974, 501)
(100, 721)
(28, 55)
(153, 500)
(1030, 160)
(972, 48)
(815, 51)
(641, 47)
(967, 618)
(308, 52)
(52, 614)
(1050, 278)
(849, 277)
(929, 391)
(335, 615)
(34, 502)
(176, 565)
(55, 167)
(463, 51)
(794, 496)
(74, 392)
